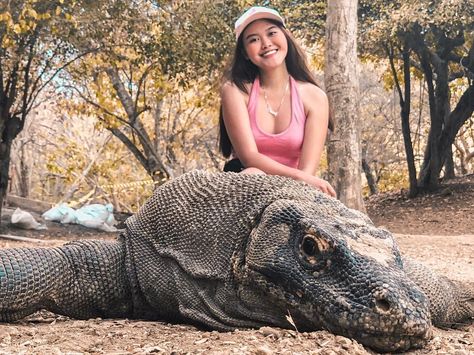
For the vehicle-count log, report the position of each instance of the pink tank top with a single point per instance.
(284, 147)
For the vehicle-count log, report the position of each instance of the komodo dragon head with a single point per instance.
(255, 248)
(335, 271)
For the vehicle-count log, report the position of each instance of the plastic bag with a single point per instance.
(97, 216)
(25, 220)
(61, 213)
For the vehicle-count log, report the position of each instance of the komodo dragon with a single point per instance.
(230, 251)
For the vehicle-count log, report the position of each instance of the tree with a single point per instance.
(163, 49)
(433, 38)
(32, 52)
(341, 81)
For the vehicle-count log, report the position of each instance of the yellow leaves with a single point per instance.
(417, 73)
(245, 3)
(22, 24)
(393, 180)
(23, 27)
(32, 13)
(57, 12)
(44, 16)
(7, 42)
(53, 167)
(6, 17)
(457, 87)
(156, 30)
(387, 79)
(17, 28)
(368, 58)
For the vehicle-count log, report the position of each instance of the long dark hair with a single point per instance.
(242, 71)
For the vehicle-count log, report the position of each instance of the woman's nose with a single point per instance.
(265, 42)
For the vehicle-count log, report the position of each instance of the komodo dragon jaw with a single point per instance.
(329, 282)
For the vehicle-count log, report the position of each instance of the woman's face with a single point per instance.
(265, 44)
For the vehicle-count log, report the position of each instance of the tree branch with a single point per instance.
(390, 54)
(131, 146)
(96, 105)
(26, 84)
(33, 97)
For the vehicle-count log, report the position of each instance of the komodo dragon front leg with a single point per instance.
(81, 279)
(451, 302)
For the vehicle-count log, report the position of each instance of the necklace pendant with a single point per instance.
(269, 109)
(271, 112)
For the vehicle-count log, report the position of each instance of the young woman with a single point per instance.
(274, 118)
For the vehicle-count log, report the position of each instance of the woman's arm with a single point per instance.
(316, 127)
(238, 128)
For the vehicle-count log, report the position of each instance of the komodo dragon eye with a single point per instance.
(311, 248)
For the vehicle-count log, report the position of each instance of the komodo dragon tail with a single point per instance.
(451, 302)
(81, 279)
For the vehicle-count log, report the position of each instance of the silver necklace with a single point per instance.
(269, 109)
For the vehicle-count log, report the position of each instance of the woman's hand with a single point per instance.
(320, 184)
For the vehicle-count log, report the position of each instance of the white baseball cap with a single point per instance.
(256, 13)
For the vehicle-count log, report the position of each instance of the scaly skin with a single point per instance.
(81, 279)
(230, 251)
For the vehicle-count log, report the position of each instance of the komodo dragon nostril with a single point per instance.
(382, 304)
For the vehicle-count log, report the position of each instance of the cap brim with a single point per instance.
(255, 17)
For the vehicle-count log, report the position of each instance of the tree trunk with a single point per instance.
(342, 86)
(444, 123)
(449, 162)
(461, 113)
(23, 174)
(442, 138)
(371, 181)
(405, 108)
(449, 165)
(147, 156)
(10, 131)
(431, 161)
(4, 167)
(370, 177)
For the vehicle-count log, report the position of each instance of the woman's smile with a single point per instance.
(269, 53)
(263, 40)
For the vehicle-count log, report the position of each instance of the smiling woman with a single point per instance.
(274, 118)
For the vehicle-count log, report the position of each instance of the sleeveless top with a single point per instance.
(283, 147)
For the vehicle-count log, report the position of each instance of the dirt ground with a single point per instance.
(437, 229)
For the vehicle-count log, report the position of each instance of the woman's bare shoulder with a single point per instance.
(231, 91)
(231, 86)
(311, 91)
(312, 96)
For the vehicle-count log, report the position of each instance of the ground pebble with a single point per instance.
(267, 331)
(264, 350)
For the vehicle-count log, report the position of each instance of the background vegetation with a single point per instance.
(103, 100)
